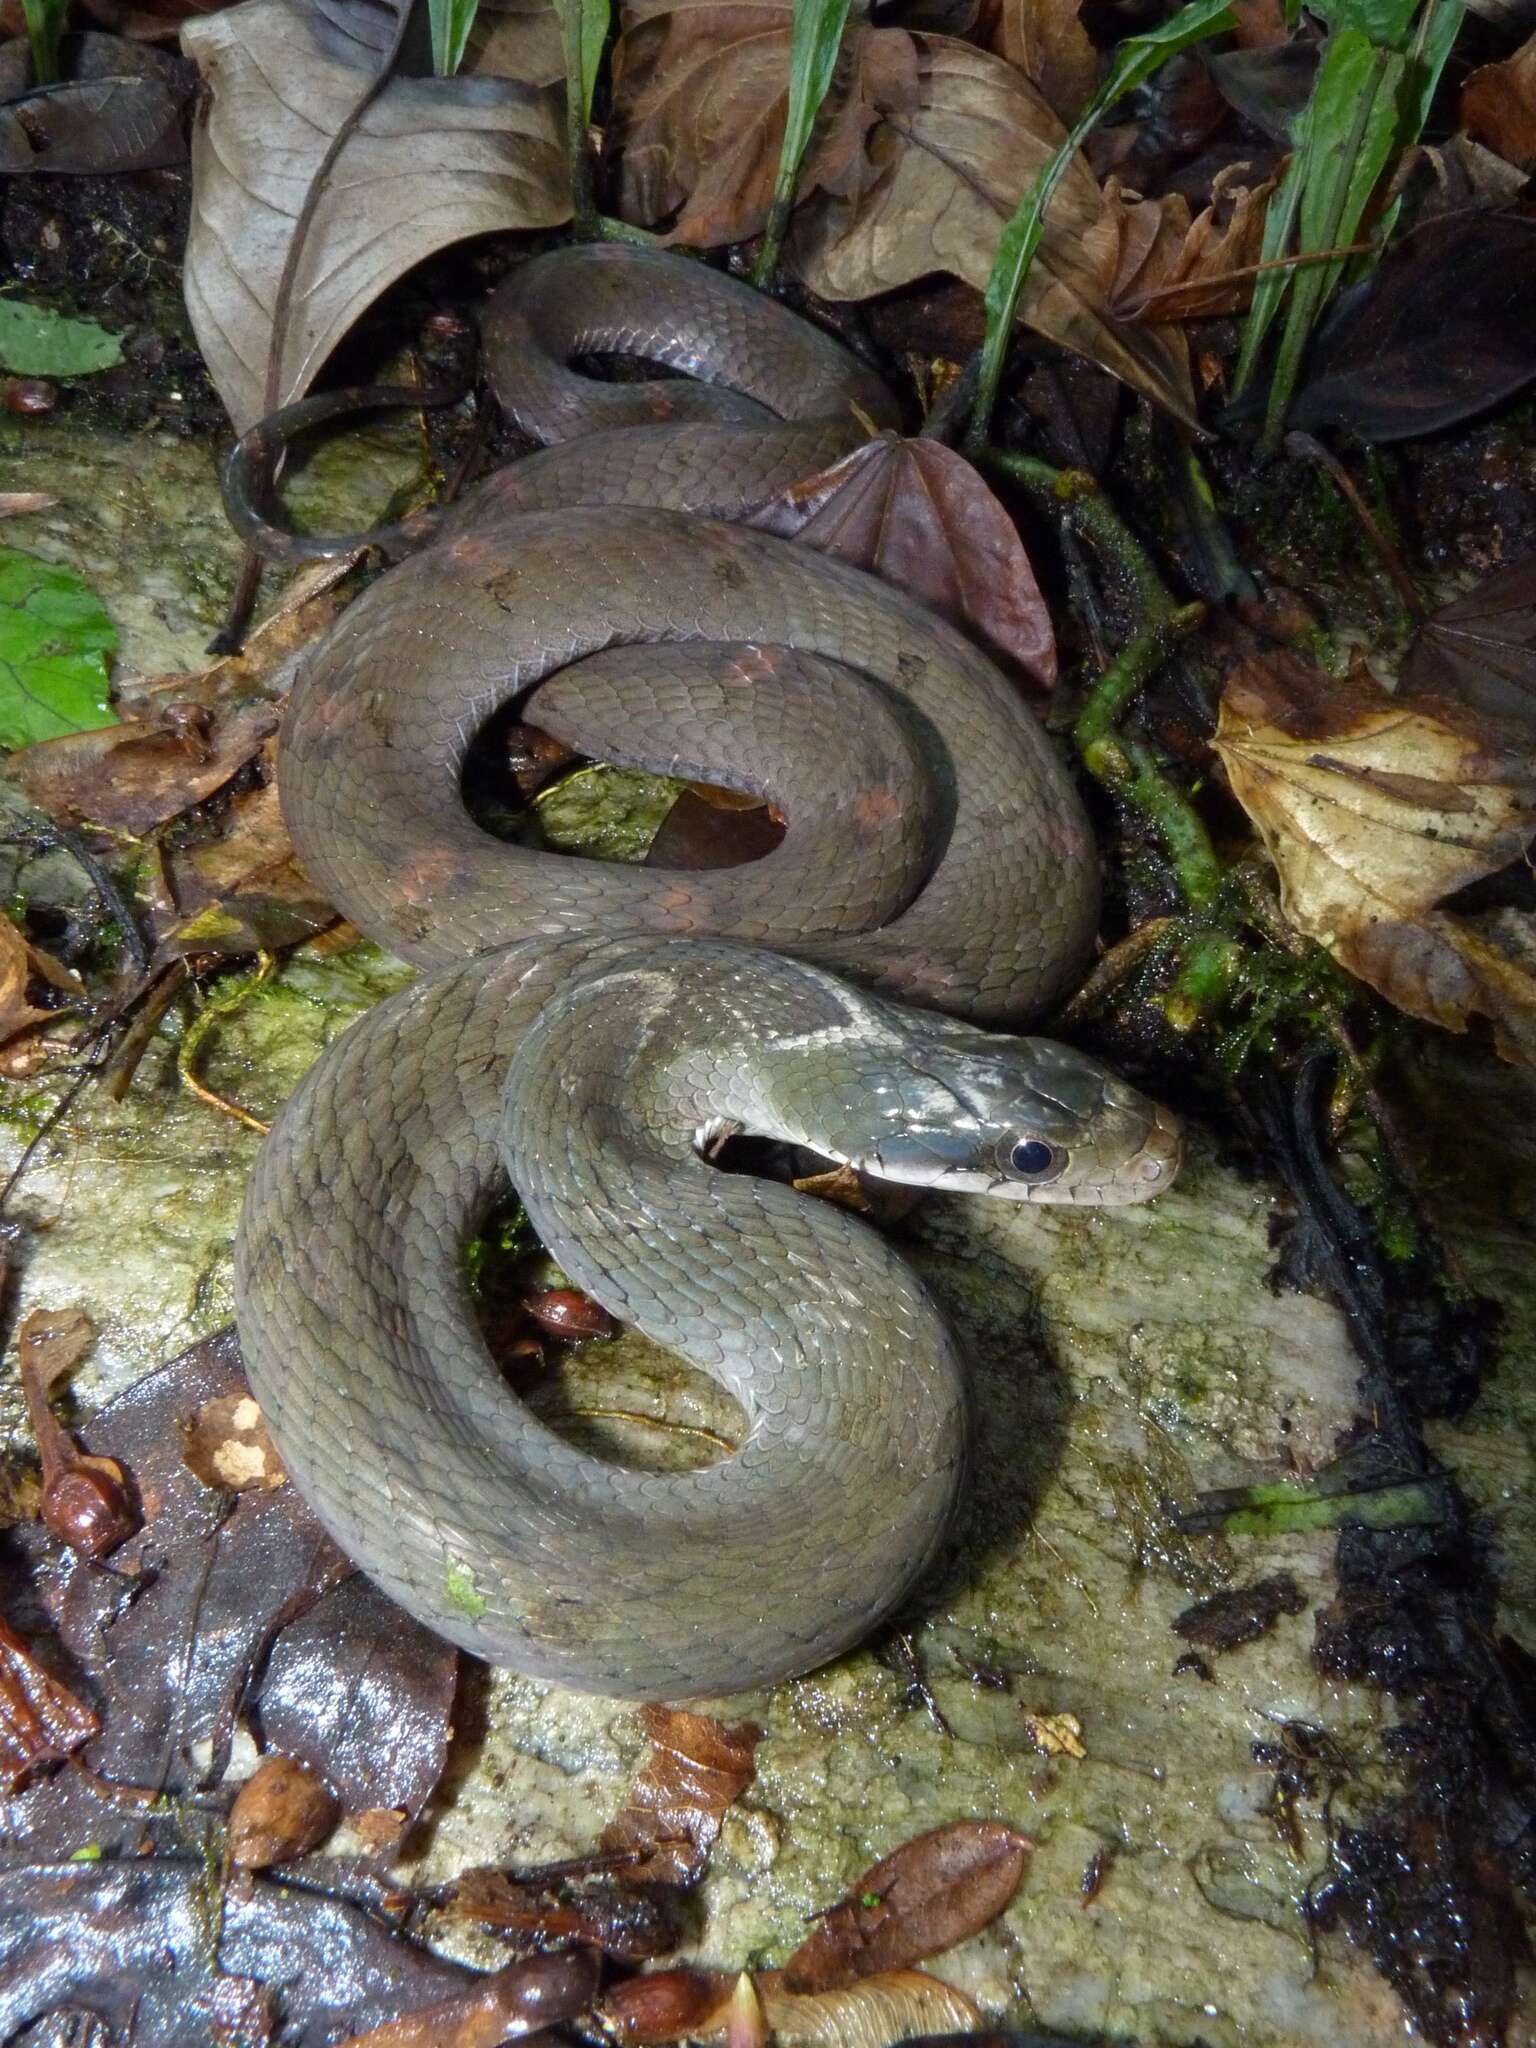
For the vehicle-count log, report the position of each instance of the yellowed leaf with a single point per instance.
(1056, 1734)
(946, 178)
(1374, 811)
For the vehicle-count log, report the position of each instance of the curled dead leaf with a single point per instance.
(918, 515)
(29, 977)
(947, 176)
(696, 1768)
(1196, 269)
(1498, 106)
(281, 78)
(1374, 812)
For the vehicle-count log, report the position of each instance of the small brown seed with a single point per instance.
(285, 1809)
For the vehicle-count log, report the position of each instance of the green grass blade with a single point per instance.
(815, 37)
(1135, 60)
(1355, 113)
(1270, 286)
(45, 26)
(451, 22)
(589, 20)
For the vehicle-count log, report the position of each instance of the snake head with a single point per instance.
(1024, 1118)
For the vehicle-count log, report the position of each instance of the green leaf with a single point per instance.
(1353, 130)
(451, 22)
(815, 37)
(1270, 286)
(1386, 22)
(37, 343)
(1134, 61)
(591, 19)
(54, 643)
(45, 25)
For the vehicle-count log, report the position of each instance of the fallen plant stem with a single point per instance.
(1308, 449)
(1281, 1508)
(227, 1001)
(157, 999)
(1078, 499)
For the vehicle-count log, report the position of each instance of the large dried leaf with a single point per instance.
(1374, 812)
(947, 177)
(918, 515)
(431, 162)
(696, 1768)
(701, 92)
(938, 1889)
(1480, 650)
(1498, 106)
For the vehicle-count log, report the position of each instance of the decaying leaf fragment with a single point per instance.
(1498, 106)
(432, 161)
(1480, 650)
(1373, 812)
(1190, 269)
(918, 515)
(936, 1890)
(697, 1767)
(41, 1721)
(28, 976)
(226, 1444)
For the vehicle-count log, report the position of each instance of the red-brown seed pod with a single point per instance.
(279, 1813)
(29, 395)
(88, 1505)
(567, 1312)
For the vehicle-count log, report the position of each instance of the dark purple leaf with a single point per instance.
(122, 107)
(1481, 650)
(1444, 329)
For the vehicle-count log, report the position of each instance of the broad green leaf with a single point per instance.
(451, 22)
(54, 642)
(590, 19)
(1134, 61)
(35, 342)
(815, 37)
(1386, 22)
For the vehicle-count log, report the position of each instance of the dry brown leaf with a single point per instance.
(432, 162)
(700, 96)
(938, 1889)
(918, 515)
(877, 2012)
(947, 177)
(27, 976)
(243, 892)
(1200, 269)
(14, 504)
(1374, 811)
(1498, 106)
(139, 774)
(40, 1719)
(696, 1768)
(1046, 40)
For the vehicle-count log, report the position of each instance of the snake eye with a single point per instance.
(1034, 1158)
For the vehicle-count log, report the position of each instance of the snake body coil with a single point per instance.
(610, 1022)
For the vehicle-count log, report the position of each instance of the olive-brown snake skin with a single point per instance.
(591, 1029)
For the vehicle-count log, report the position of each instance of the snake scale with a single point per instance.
(589, 1030)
